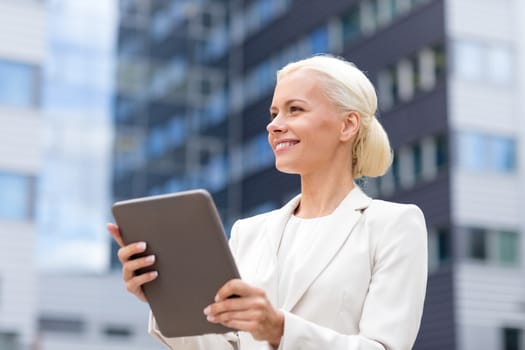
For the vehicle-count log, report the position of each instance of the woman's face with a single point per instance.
(305, 130)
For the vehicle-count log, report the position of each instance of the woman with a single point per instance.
(332, 269)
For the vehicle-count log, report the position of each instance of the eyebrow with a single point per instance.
(289, 102)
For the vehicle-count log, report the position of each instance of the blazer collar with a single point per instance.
(343, 220)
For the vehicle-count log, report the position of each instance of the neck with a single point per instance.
(322, 192)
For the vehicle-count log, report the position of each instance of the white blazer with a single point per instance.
(362, 285)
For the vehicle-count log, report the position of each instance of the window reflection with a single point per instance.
(19, 87)
(483, 152)
(480, 61)
(16, 196)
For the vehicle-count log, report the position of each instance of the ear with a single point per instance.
(350, 126)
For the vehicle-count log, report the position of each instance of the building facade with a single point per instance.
(90, 312)
(22, 53)
(196, 80)
(73, 192)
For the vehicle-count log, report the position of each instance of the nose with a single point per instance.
(275, 126)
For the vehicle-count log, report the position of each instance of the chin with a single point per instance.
(286, 168)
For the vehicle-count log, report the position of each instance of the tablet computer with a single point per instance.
(184, 232)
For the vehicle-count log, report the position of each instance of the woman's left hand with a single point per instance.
(251, 311)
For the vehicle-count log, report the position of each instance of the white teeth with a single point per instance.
(284, 144)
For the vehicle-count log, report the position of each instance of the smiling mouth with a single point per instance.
(286, 144)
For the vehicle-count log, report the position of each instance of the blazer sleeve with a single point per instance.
(228, 341)
(393, 307)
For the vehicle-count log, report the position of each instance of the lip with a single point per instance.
(282, 145)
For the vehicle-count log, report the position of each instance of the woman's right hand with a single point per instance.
(133, 281)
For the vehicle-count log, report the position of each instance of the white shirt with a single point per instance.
(299, 237)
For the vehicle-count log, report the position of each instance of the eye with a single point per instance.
(295, 109)
(273, 115)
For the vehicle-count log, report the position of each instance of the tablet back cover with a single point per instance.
(184, 232)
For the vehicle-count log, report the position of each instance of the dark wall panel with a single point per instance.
(433, 199)
(268, 185)
(305, 16)
(424, 26)
(437, 327)
(425, 115)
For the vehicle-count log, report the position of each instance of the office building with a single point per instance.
(90, 312)
(22, 53)
(196, 80)
(74, 186)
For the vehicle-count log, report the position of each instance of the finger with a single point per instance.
(228, 305)
(237, 287)
(251, 306)
(115, 232)
(243, 315)
(134, 285)
(125, 253)
(130, 268)
(242, 325)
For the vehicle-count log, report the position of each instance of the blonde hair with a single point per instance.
(350, 90)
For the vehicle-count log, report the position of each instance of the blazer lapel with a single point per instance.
(343, 220)
(267, 275)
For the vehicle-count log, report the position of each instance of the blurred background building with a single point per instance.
(22, 55)
(195, 80)
(79, 305)
(73, 191)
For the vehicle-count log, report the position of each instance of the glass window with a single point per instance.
(438, 247)
(440, 59)
(264, 10)
(502, 152)
(406, 166)
(472, 152)
(130, 150)
(477, 244)
(319, 41)
(508, 247)
(217, 42)
(499, 64)
(427, 71)
(512, 339)
(405, 79)
(468, 60)
(16, 193)
(117, 331)
(428, 161)
(217, 174)
(486, 152)
(157, 142)
(386, 89)
(176, 131)
(367, 16)
(443, 236)
(19, 84)
(62, 325)
(417, 160)
(479, 61)
(162, 25)
(9, 341)
(441, 151)
(385, 11)
(403, 6)
(351, 27)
